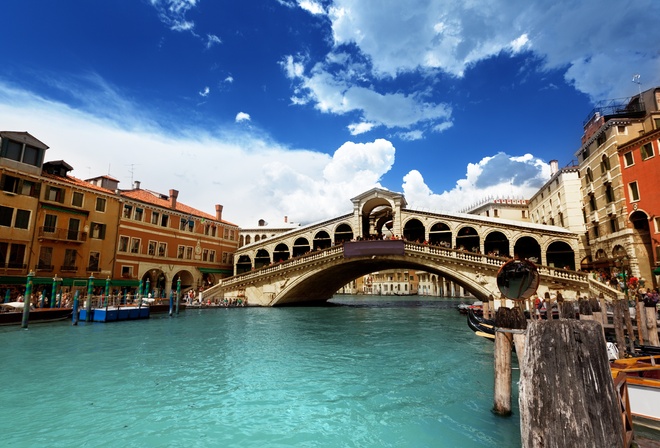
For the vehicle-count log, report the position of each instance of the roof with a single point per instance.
(23, 137)
(76, 182)
(160, 200)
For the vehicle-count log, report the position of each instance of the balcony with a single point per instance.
(593, 216)
(607, 178)
(590, 189)
(51, 233)
(611, 209)
(44, 267)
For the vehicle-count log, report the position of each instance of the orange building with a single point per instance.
(162, 240)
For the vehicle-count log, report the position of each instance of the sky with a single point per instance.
(289, 108)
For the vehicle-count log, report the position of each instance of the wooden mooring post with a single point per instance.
(509, 323)
(567, 395)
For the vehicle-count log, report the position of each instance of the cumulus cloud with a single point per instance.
(242, 116)
(497, 176)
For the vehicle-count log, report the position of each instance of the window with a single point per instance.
(182, 224)
(602, 138)
(55, 194)
(614, 225)
(135, 245)
(191, 225)
(592, 203)
(524, 215)
(596, 232)
(226, 233)
(139, 213)
(634, 192)
(10, 184)
(164, 220)
(4, 250)
(207, 229)
(128, 210)
(647, 151)
(123, 244)
(94, 262)
(22, 219)
(205, 255)
(657, 123)
(17, 256)
(628, 159)
(70, 260)
(189, 253)
(162, 249)
(590, 175)
(45, 259)
(127, 271)
(72, 231)
(180, 251)
(100, 204)
(151, 248)
(77, 199)
(50, 223)
(155, 218)
(621, 130)
(604, 164)
(657, 224)
(609, 193)
(211, 256)
(22, 153)
(6, 215)
(98, 231)
(29, 188)
(213, 230)
(496, 213)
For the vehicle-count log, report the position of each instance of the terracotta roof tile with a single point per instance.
(77, 182)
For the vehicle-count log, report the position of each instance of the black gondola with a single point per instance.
(482, 327)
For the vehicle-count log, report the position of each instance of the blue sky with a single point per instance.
(278, 108)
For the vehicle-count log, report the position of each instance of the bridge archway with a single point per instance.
(281, 253)
(322, 240)
(561, 255)
(414, 230)
(497, 244)
(261, 258)
(243, 264)
(440, 235)
(467, 238)
(527, 248)
(300, 247)
(343, 232)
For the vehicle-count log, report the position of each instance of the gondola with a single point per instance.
(482, 327)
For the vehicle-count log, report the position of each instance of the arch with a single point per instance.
(157, 282)
(241, 241)
(467, 238)
(561, 255)
(601, 254)
(261, 258)
(247, 239)
(343, 232)
(440, 234)
(321, 240)
(497, 244)
(527, 248)
(281, 253)
(414, 231)
(187, 280)
(300, 247)
(243, 264)
(257, 238)
(263, 236)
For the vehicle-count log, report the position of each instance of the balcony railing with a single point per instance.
(68, 268)
(53, 233)
(45, 267)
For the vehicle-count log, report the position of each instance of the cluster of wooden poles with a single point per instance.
(567, 396)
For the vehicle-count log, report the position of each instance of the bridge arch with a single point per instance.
(243, 264)
(440, 234)
(496, 243)
(560, 254)
(527, 247)
(281, 253)
(413, 230)
(262, 258)
(300, 246)
(322, 240)
(467, 238)
(343, 232)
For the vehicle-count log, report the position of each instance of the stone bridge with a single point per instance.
(315, 277)
(310, 263)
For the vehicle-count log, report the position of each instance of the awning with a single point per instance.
(65, 209)
(215, 271)
(656, 271)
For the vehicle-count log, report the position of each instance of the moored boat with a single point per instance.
(643, 379)
(12, 314)
(481, 327)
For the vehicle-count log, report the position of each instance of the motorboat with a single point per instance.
(643, 381)
(11, 313)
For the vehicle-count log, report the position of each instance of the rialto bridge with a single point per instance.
(310, 263)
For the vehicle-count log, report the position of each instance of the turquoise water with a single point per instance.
(398, 374)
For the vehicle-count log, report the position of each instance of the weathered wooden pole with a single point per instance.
(640, 319)
(651, 321)
(507, 321)
(584, 410)
(625, 309)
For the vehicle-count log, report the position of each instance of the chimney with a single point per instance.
(174, 194)
(218, 212)
(286, 219)
(554, 167)
(136, 185)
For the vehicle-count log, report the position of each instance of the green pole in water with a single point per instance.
(178, 293)
(53, 292)
(107, 291)
(27, 301)
(75, 308)
(139, 294)
(90, 290)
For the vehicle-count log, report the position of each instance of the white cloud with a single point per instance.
(498, 176)
(229, 79)
(212, 39)
(242, 116)
(173, 13)
(360, 128)
(311, 6)
(205, 92)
